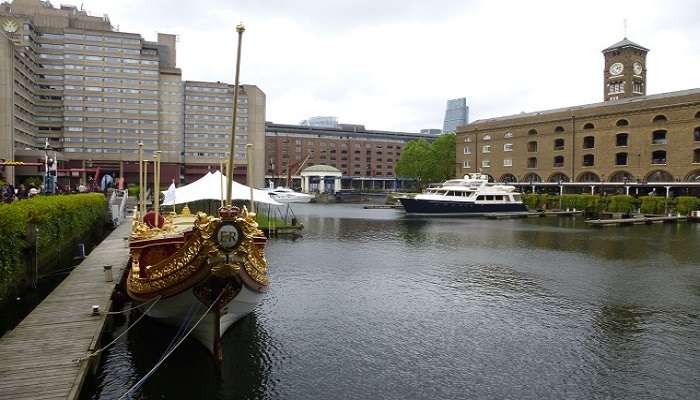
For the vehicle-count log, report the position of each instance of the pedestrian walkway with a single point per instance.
(38, 358)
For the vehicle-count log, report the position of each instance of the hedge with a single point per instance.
(615, 203)
(60, 221)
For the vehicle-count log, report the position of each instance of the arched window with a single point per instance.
(693, 176)
(696, 156)
(486, 138)
(621, 159)
(588, 126)
(508, 135)
(659, 119)
(621, 176)
(621, 139)
(697, 115)
(696, 134)
(558, 161)
(588, 177)
(658, 157)
(659, 176)
(558, 144)
(532, 162)
(532, 132)
(559, 129)
(622, 122)
(508, 178)
(532, 147)
(532, 178)
(558, 177)
(658, 137)
(589, 142)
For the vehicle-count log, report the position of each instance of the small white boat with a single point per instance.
(472, 195)
(286, 195)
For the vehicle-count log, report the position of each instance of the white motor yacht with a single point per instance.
(472, 195)
(286, 195)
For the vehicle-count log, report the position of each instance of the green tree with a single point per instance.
(414, 161)
(427, 162)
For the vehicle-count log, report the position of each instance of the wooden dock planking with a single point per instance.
(531, 214)
(636, 221)
(38, 356)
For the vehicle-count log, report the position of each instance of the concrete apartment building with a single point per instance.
(361, 155)
(629, 137)
(92, 93)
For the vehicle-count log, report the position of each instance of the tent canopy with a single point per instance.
(211, 187)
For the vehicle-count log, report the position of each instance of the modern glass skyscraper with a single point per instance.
(456, 114)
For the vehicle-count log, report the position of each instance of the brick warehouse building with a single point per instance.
(366, 158)
(629, 137)
(93, 93)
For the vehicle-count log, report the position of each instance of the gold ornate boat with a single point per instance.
(187, 264)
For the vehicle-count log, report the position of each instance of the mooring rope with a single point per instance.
(100, 350)
(132, 308)
(168, 353)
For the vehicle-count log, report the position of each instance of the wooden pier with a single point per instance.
(532, 214)
(641, 220)
(39, 355)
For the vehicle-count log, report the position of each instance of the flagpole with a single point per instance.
(232, 145)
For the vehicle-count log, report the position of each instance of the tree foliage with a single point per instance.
(427, 162)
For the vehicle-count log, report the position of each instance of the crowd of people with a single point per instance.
(10, 193)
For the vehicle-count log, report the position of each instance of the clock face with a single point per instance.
(10, 26)
(616, 69)
(637, 68)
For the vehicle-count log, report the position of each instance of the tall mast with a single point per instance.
(232, 146)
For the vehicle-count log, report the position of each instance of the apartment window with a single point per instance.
(588, 126)
(637, 87)
(589, 142)
(696, 156)
(486, 138)
(508, 135)
(621, 159)
(558, 144)
(507, 162)
(588, 160)
(485, 163)
(659, 119)
(467, 139)
(486, 148)
(696, 134)
(532, 132)
(508, 147)
(465, 164)
(622, 122)
(658, 137)
(560, 129)
(558, 162)
(621, 139)
(467, 150)
(532, 147)
(532, 162)
(658, 157)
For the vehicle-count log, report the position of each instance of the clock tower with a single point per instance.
(625, 73)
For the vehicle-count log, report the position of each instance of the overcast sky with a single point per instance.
(392, 64)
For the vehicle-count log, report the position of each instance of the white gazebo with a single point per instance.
(320, 179)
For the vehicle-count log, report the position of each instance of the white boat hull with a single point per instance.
(174, 310)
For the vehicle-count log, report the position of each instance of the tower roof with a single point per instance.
(624, 43)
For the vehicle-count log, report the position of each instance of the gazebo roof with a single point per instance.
(321, 168)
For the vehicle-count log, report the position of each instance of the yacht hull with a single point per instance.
(461, 208)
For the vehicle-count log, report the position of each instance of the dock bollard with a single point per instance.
(108, 273)
(96, 310)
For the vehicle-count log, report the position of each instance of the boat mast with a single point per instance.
(142, 190)
(232, 146)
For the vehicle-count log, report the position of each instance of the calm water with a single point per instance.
(370, 304)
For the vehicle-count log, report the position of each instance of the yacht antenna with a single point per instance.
(232, 146)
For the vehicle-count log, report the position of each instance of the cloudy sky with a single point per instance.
(392, 64)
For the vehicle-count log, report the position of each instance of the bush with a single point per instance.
(652, 205)
(685, 204)
(59, 219)
(620, 203)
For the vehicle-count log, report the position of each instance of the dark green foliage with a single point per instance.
(621, 203)
(652, 205)
(60, 220)
(685, 204)
(427, 162)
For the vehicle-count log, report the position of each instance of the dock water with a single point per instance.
(39, 355)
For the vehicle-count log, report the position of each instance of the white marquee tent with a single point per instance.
(210, 187)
